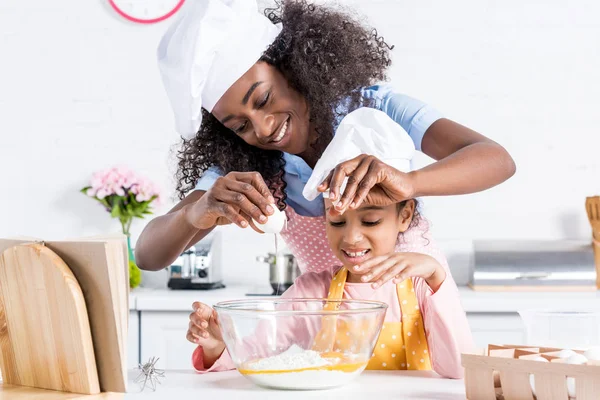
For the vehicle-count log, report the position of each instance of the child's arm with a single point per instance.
(204, 330)
(446, 325)
(202, 364)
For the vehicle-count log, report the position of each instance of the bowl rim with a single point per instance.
(226, 306)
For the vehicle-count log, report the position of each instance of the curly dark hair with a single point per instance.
(326, 55)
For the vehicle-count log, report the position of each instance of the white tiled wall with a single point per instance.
(80, 91)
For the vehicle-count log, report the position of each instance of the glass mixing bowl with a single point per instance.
(300, 343)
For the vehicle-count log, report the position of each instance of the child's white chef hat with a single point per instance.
(209, 47)
(363, 131)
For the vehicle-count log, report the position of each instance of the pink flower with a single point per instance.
(120, 181)
(144, 190)
(126, 176)
(101, 193)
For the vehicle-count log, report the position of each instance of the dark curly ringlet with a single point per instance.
(326, 55)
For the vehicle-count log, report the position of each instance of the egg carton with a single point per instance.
(513, 372)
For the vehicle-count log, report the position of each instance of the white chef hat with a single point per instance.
(363, 131)
(209, 47)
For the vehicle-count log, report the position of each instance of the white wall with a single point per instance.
(80, 91)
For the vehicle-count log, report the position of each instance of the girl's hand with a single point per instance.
(369, 179)
(204, 330)
(237, 197)
(399, 267)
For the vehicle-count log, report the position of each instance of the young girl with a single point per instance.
(425, 326)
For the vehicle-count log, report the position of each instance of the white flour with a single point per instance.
(304, 380)
(293, 358)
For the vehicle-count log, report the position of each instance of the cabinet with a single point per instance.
(162, 335)
(133, 340)
(496, 328)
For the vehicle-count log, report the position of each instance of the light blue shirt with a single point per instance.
(413, 115)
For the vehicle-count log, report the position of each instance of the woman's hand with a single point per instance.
(204, 330)
(237, 197)
(399, 267)
(370, 180)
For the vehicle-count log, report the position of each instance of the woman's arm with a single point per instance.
(236, 198)
(167, 236)
(468, 162)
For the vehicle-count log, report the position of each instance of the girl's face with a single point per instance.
(366, 232)
(265, 111)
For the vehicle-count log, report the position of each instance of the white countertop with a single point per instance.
(227, 385)
(189, 385)
(473, 301)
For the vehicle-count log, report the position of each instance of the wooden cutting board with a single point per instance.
(45, 338)
(10, 392)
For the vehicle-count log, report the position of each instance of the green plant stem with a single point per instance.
(126, 225)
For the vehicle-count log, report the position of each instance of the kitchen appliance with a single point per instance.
(283, 270)
(561, 265)
(197, 267)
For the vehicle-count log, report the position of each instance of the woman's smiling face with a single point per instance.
(367, 232)
(263, 110)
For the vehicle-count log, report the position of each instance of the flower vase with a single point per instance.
(135, 275)
(129, 250)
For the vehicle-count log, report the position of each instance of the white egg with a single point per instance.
(575, 359)
(531, 377)
(566, 353)
(593, 353)
(275, 223)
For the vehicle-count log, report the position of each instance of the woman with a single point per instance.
(258, 99)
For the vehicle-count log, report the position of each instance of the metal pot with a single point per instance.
(283, 271)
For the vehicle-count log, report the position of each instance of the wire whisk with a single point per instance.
(149, 374)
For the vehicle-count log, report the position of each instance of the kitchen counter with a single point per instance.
(473, 301)
(132, 304)
(184, 385)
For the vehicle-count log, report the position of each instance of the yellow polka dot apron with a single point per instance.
(401, 345)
